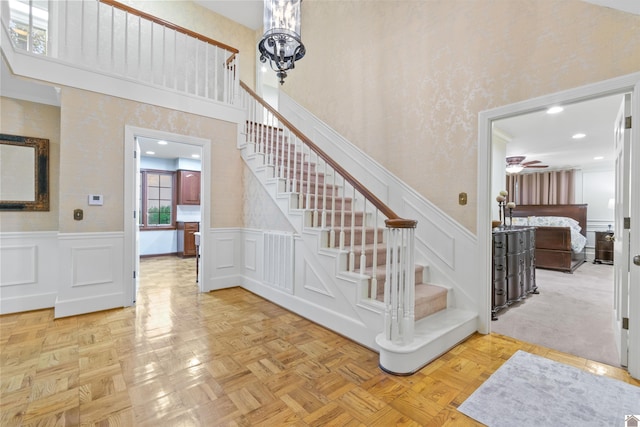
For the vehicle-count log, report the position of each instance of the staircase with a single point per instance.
(321, 203)
(332, 213)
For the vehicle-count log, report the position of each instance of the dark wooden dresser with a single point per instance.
(514, 266)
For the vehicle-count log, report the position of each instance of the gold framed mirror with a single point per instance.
(24, 173)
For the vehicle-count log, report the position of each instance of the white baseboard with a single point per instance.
(72, 307)
(27, 303)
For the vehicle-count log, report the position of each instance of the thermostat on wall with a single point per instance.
(95, 199)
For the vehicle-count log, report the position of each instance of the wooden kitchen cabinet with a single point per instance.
(188, 187)
(186, 238)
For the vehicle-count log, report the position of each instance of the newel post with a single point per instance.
(399, 288)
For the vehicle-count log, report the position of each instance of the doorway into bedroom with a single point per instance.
(572, 311)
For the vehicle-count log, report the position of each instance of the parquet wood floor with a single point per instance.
(180, 358)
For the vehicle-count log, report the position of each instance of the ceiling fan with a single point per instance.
(515, 164)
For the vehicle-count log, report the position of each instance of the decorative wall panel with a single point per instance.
(18, 265)
(92, 265)
(28, 271)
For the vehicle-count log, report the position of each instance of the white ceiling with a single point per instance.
(246, 12)
(548, 138)
(631, 6)
(171, 150)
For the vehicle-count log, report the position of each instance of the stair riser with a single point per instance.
(329, 189)
(288, 152)
(336, 220)
(306, 179)
(369, 235)
(382, 281)
(326, 204)
(287, 166)
(427, 307)
(381, 258)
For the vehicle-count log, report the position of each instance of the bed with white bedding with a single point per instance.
(560, 234)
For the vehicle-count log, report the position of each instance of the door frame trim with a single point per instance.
(624, 84)
(131, 132)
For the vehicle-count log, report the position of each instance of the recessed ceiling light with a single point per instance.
(150, 152)
(162, 142)
(578, 136)
(195, 156)
(555, 110)
(598, 158)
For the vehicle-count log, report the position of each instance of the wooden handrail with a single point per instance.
(171, 26)
(396, 221)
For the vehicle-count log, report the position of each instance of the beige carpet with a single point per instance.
(573, 313)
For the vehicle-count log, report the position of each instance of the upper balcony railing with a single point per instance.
(109, 37)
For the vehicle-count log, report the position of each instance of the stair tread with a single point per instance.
(429, 299)
(446, 319)
(429, 290)
(430, 329)
(381, 271)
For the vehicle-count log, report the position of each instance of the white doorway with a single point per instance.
(581, 302)
(132, 195)
(486, 165)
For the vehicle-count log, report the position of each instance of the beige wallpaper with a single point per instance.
(405, 80)
(92, 158)
(26, 118)
(260, 210)
(194, 17)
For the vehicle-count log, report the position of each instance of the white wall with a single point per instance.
(597, 188)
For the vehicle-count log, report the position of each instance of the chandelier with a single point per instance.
(281, 44)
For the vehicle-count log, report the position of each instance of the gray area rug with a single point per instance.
(529, 390)
(573, 313)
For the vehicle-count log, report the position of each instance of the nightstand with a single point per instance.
(604, 247)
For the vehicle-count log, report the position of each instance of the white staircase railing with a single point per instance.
(108, 37)
(352, 216)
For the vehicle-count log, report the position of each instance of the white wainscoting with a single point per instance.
(28, 271)
(225, 259)
(279, 259)
(239, 257)
(91, 273)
